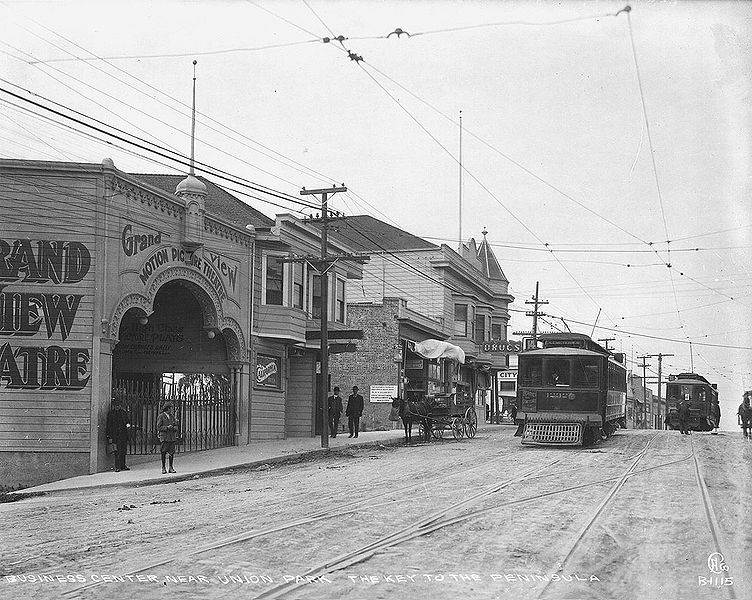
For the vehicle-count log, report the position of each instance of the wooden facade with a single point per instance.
(86, 253)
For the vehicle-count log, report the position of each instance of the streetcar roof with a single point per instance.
(561, 351)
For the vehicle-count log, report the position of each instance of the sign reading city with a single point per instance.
(501, 347)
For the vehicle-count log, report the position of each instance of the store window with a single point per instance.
(274, 280)
(460, 320)
(314, 304)
(480, 328)
(339, 314)
(298, 279)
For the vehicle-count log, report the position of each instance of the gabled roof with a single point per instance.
(219, 202)
(489, 265)
(364, 233)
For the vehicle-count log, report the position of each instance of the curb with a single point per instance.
(281, 459)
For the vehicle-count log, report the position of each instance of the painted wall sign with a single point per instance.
(41, 315)
(268, 371)
(221, 271)
(503, 347)
(382, 393)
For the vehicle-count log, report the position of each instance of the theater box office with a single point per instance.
(110, 286)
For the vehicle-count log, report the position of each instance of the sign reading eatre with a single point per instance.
(503, 347)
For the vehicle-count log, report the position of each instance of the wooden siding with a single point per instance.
(300, 396)
(386, 276)
(267, 406)
(281, 322)
(55, 212)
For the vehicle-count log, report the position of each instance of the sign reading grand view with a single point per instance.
(502, 347)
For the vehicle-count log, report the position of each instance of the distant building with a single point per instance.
(641, 405)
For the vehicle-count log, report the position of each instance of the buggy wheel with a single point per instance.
(438, 431)
(458, 430)
(471, 423)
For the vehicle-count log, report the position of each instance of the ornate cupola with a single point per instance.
(193, 192)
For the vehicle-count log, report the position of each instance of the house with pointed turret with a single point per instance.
(413, 290)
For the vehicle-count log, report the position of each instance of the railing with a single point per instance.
(204, 406)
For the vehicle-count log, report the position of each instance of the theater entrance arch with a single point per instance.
(172, 348)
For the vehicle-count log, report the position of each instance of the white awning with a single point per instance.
(439, 349)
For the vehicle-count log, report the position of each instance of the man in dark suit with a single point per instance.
(353, 411)
(335, 411)
(118, 426)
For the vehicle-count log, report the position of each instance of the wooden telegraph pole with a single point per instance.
(535, 313)
(323, 264)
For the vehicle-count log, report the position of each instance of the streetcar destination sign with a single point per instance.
(503, 347)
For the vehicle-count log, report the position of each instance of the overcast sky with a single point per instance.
(561, 105)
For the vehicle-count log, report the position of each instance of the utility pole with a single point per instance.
(644, 382)
(660, 361)
(535, 314)
(606, 341)
(322, 265)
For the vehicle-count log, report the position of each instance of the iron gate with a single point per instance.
(204, 405)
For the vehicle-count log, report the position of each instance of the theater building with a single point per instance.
(146, 287)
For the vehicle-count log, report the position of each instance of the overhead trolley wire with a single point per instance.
(158, 150)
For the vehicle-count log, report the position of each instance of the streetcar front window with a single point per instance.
(557, 371)
(531, 370)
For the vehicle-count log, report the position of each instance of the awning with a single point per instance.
(439, 349)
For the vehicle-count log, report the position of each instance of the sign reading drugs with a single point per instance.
(31, 316)
(502, 347)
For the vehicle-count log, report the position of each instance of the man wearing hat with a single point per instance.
(167, 429)
(353, 411)
(118, 425)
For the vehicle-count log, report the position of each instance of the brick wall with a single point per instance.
(373, 363)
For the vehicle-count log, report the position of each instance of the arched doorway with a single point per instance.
(176, 353)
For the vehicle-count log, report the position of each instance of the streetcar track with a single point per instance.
(365, 552)
(354, 506)
(710, 517)
(598, 511)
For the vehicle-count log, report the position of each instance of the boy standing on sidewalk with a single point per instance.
(335, 411)
(167, 428)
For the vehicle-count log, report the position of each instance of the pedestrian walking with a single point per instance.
(684, 416)
(745, 415)
(513, 413)
(353, 411)
(167, 428)
(715, 415)
(118, 426)
(335, 411)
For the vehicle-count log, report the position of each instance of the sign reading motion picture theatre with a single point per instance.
(39, 308)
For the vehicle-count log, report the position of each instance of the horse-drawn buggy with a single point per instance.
(437, 393)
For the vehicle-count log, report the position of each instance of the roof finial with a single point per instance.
(484, 232)
(193, 119)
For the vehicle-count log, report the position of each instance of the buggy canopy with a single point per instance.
(439, 349)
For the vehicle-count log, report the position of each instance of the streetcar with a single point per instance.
(570, 392)
(701, 395)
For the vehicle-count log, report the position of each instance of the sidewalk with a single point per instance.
(194, 464)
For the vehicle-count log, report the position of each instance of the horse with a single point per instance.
(419, 411)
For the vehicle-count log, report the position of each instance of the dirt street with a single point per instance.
(646, 514)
